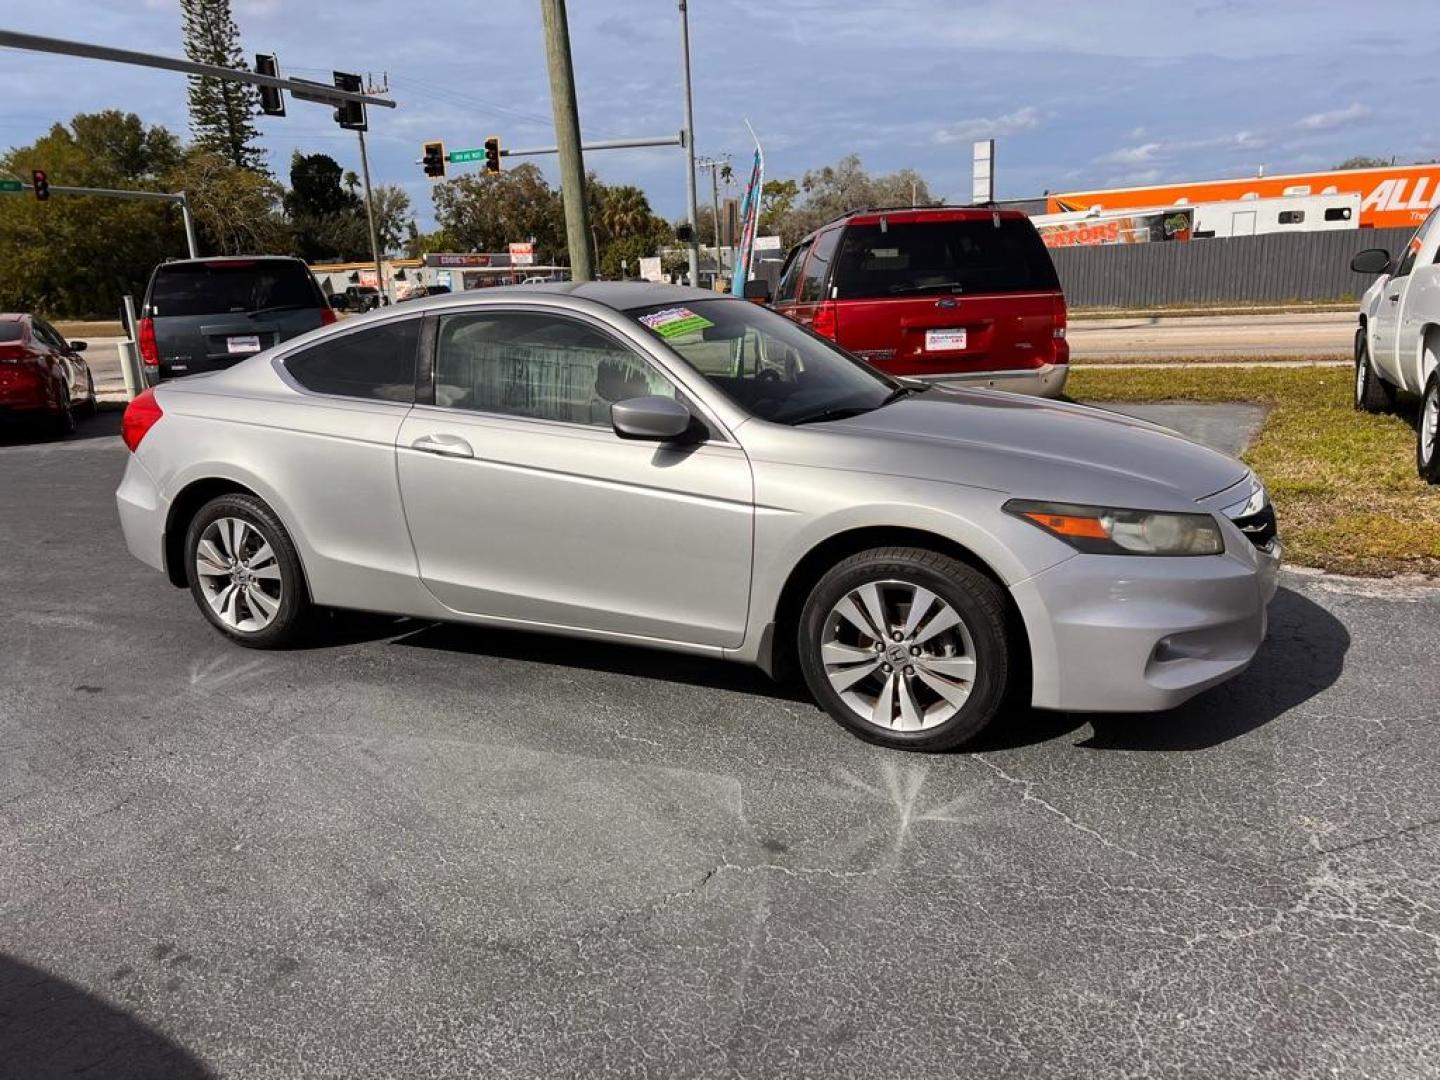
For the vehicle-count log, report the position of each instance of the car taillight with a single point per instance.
(141, 415)
(149, 350)
(825, 323)
(1062, 318)
(327, 315)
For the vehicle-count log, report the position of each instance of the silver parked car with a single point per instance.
(674, 469)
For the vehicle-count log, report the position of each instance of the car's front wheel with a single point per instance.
(245, 574)
(1427, 434)
(906, 647)
(1372, 393)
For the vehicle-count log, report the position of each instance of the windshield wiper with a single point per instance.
(276, 307)
(842, 413)
(949, 286)
(901, 392)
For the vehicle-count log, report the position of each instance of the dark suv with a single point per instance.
(206, 314)
(952, 294)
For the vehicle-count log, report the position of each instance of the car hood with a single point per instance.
(1031, 448)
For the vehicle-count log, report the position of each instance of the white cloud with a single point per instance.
(1133, 155)
(1335, 118)
(1026, 118)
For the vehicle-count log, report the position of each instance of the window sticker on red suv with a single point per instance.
(675, 322)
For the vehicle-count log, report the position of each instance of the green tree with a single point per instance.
(837, 189)
(237, 211)
(777, 199)
(393, 220)
(222, 113)
(328, 221)
(78, 255)
(485, 212)
(1362, 162)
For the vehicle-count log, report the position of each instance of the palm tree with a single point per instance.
(351, 180)
(625, 211)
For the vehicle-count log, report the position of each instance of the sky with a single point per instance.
(1077, 95)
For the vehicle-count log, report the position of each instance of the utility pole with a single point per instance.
(690, 151)
(370, 220)
(567, 137)
(714, 165)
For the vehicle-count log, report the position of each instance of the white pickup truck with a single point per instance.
(1397, 345)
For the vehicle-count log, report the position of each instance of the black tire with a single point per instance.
(1427, 458)
(92, 403)
(976, 598)
(294, 618)
(1372, 393)
(62, 425)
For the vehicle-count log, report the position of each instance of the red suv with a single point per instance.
(950, 294)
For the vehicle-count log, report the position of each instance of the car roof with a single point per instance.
(619, 295)
(13, 316)
(208, 260)
(872, 215)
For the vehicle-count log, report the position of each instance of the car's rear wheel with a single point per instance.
(62, 424)
(1372, 393)
(244, 573)
(1427, 433)
(906, 647)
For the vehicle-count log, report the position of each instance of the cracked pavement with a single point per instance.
(431, 851)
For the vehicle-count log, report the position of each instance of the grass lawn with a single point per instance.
(1344, 482)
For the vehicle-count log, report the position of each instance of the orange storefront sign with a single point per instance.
(1397, 196)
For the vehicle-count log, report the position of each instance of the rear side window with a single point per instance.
(812, 281)
(11, 330)
(216, 288)
(975, 256)
(790, 275)
(377, 363)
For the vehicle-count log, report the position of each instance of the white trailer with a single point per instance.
(1286, 213)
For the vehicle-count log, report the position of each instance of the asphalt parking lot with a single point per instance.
(426, 851)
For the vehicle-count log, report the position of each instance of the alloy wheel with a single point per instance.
(239, 574)
(899, 657)
(1362, 368)
(1430, 422)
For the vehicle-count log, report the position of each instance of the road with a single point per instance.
(425, 851)
(1326, 333)
(1192, 337)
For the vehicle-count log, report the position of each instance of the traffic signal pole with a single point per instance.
(690, 209)
(567, 137)
(370, 219)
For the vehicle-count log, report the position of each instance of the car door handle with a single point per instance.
(1394, 298)
(446, 445)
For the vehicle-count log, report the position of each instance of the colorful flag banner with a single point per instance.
(749, 219)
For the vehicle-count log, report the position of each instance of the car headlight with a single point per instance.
(1103, 530)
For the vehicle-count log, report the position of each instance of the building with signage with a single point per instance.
(1393, 196)
(455, 271)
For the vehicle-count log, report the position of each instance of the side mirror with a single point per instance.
(79, 346)
(1371, 261)
(656, 417)
(757, 291)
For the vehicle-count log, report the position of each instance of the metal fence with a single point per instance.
(1273, 267)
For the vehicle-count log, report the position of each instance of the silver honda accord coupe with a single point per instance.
(678, 470)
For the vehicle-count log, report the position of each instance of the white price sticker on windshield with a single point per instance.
(944, 340)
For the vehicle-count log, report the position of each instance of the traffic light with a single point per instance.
(351, 115)
(40, 181)
(272, 98)
(432, 156)
(492, 154)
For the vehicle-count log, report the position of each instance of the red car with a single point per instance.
(42, 376)
(964, 295)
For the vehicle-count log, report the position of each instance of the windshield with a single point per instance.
(221, 287)
(967, 256)
(764, 363)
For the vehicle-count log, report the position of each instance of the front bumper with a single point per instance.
(1112, 633)
(1048, 380)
